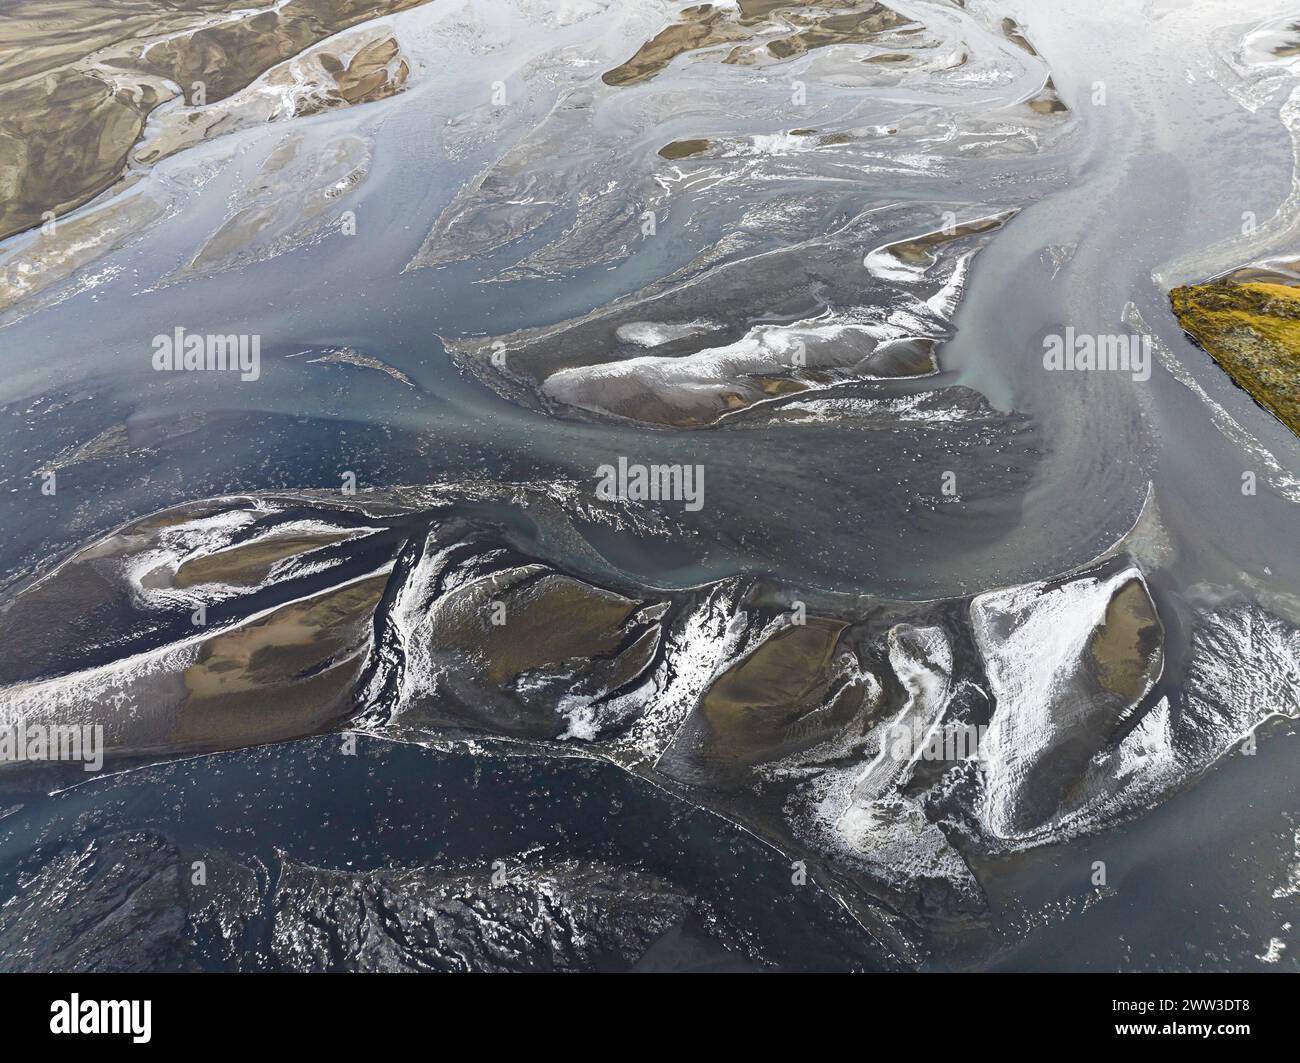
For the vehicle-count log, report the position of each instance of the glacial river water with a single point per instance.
(1170, 139)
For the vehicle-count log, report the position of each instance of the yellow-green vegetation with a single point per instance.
(1253, 331)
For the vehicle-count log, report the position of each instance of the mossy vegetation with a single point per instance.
(1253, 331)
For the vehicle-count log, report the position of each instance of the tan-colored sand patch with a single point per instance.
(757, 699)
(1124, 649)
(79, 79)
(249, 564)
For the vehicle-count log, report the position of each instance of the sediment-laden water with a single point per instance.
(655, 466)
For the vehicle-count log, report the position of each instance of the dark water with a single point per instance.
(1142, 185)
(394, 805)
